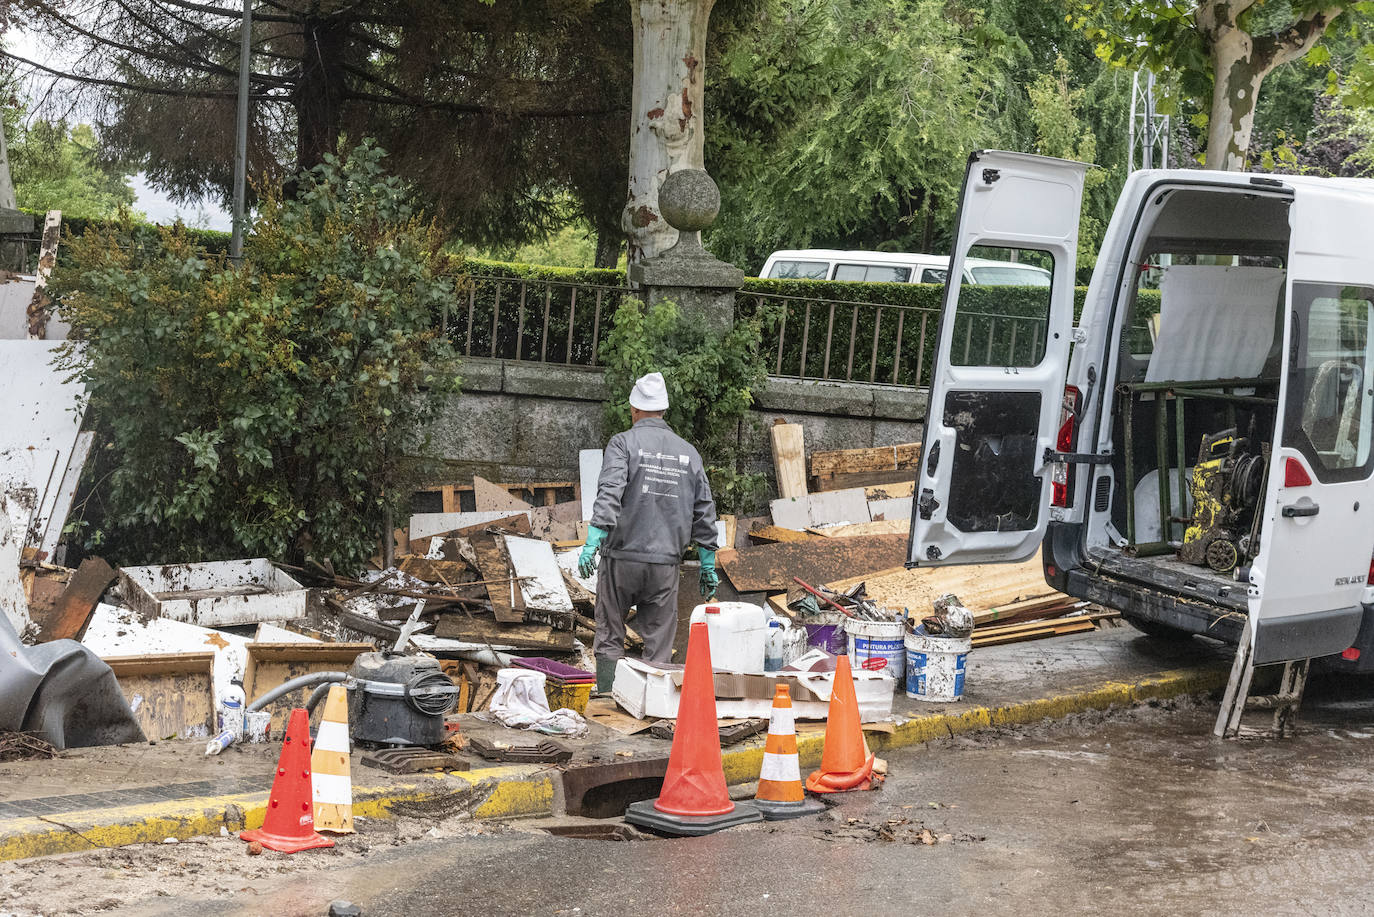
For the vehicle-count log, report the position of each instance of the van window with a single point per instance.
(934, 275)
(1330, 392)
(872, 273)
(799, 270)
(1003, 325)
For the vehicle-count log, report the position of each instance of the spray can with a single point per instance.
(231, 705)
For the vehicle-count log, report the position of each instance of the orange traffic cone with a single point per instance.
(694, 800)
(290, 822)
(331, 783)
(845, 761)
(780, 794)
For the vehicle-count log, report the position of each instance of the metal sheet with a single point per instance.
(770, 567)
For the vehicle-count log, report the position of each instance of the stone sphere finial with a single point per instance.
(689, 200)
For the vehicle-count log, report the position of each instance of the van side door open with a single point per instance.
(984, 484)
(1308, 579)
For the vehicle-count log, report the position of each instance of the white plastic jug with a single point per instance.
(739, 635)
(786, 641)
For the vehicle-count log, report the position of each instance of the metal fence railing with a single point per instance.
(562, 321)
(531, 319)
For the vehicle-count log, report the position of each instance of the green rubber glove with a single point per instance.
(709, 579)
(586, 564)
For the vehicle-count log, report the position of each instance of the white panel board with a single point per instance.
(427, 525)
(588, 472)
(114, 631)
(541, 580)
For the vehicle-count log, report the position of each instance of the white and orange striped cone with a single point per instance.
(780, 793)
(332, 783)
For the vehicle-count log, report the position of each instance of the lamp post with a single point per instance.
(241, 140)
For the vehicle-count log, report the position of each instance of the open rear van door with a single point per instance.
(984, 485)
(1308, 580)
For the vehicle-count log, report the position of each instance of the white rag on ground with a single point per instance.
(520, 703)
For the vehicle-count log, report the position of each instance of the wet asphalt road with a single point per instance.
(1142, 813)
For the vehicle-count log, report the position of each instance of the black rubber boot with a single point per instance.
(605, 674)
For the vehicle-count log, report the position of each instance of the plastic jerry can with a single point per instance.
(738, 633)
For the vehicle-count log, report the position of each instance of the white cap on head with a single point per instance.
(650, 393)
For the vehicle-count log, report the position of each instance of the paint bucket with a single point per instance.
(935, 667)
(877, 646)
(826, 632)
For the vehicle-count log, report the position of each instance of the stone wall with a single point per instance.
(527, 421)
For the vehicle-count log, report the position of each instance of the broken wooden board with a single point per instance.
(541, 579)
(789, 459)
(890, 509)
(273, 664)
(770, 567)
(492, 498)
(904, 490)
(1035, 630)
(493, 560)
(604, 711)
(978, 586)
(772, 534)
(482, 629)
(892, 527)
(172, 695)
(424, 526)
(878, 458)
(866, 479)
(555, 523)
(68, 618)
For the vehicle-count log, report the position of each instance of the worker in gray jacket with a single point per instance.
(652, 501)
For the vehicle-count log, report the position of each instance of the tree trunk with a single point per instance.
(609, 244)
(666, 109)
(320, 91)
(1238, 72)
(6, 183)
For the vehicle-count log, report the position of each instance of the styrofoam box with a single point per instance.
(645, 690)
(214, 594)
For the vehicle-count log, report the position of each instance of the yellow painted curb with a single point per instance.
(496, 792)
(742, 764)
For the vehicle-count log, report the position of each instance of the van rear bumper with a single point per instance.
(1066, 571)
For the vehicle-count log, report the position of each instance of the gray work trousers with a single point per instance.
(652, 590)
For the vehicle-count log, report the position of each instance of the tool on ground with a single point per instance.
(289, 825)
(780, 794)
(694, 799)
(331, 777)
(1237, 699)
(846, 763)
(822, 596)
(396, 699)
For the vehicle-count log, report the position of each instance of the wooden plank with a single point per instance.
(506, 601)
(39, 309)
(789, 459)
(885, 527)
(904, 490)
(494, 498)
(481, 629)
(273, 664)
(449, 499)
(773, 534)
(828, 482)
(67, 620)
(1078, 625)
(880, 458)
(770, 568)
(978, 586)
(731, 529)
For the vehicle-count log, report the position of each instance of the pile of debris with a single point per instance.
(844, 527)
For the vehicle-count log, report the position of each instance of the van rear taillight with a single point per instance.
(1062, 477)
(1294, 475)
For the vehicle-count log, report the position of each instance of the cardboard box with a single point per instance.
(644, 689)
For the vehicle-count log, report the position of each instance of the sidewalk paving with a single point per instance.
(99, 797)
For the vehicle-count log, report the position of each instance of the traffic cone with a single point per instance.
(290, 822)
(330, 781)
(780, 794)
(845, 761)
(694, 800)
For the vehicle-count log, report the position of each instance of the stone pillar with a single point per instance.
(687, 273)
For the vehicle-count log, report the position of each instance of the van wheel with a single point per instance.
(1157, 630)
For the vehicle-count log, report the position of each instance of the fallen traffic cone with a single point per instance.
(845, 761)
(330, 781)
(290, 822)
(780, 794)
(694, 800)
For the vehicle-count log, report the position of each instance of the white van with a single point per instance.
(1209, 459)
(895, 267)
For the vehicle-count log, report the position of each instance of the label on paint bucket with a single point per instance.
(874, 664)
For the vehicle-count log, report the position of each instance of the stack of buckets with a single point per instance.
(933, 666)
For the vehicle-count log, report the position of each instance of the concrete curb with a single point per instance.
(530, 790)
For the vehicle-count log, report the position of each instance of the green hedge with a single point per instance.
(213, 241)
